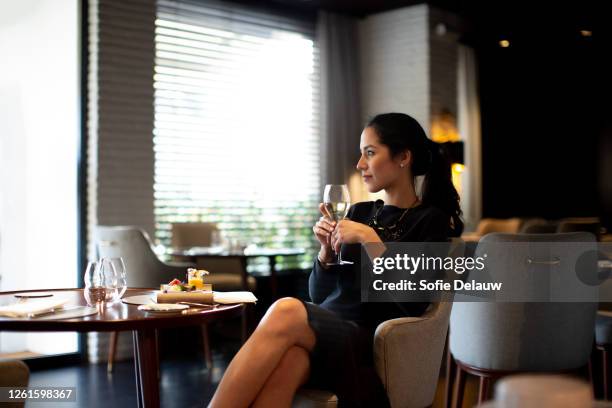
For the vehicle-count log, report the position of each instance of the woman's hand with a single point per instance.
(323, 230)
(351, 232)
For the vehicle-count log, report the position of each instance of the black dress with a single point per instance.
(342, 359)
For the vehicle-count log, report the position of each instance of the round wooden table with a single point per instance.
(121, 317)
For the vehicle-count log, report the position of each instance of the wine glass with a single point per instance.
(118, 267)
(95, 287)
(337, 201)
(114, 278)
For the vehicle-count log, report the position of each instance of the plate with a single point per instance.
(138, 299)
(34, 295)
(162, 307)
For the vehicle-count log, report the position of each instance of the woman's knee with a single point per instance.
(284, 317)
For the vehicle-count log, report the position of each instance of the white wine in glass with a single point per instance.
(337, 211)
(337, 201)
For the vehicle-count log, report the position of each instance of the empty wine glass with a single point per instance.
(118, 267)
(115, 282)
(337, 201)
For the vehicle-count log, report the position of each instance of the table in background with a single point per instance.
(198, 253)
(121, 317)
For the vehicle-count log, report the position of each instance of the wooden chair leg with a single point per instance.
(247, 321)
(460, 378)
(604, 364)
(450, 370)
(157, 348)
(483, 389)
(206, 342)
(590, 373)
(243, 326)
(112, 350)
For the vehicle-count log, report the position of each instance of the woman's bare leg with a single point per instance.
(284, 325)
(290, 373)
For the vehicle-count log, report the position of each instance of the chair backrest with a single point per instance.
(592, 225)
(488, 225)
(539, 226)
(192, 234)
(534, 336)
(144, 269)
(408, 353)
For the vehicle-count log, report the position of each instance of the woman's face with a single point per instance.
(378, 169)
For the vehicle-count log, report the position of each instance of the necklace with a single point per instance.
(391, 232)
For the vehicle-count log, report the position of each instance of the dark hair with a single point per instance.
(400, 132)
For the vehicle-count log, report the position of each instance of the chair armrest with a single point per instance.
(408, 355)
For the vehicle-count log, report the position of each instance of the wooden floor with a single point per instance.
(184, 382)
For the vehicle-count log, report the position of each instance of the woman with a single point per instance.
(329, 343)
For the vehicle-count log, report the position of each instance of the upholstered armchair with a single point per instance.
(408, 354)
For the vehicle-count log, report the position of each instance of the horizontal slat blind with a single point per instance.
(236, 124)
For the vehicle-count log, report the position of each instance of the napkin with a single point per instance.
(234, 297)
(197, 296)
(206, 297)
(32, 307)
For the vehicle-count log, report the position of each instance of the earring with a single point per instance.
(401, 164)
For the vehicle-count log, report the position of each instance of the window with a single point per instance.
(236, 124)
(39, 144)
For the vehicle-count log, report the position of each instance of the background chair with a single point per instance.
(603, 342)
(488, 225)
(14, 374)
(193, 234)
(587, 224)
(543, 391)
(226, 274)
(539, 226)
(494, 339)
(144, 269)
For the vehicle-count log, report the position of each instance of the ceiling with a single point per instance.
(483, 18)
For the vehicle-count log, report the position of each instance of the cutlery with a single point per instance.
(51, 311)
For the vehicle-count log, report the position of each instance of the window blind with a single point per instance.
(236, 131)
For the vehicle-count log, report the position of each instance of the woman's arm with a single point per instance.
(322, 282)
(322, 279)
